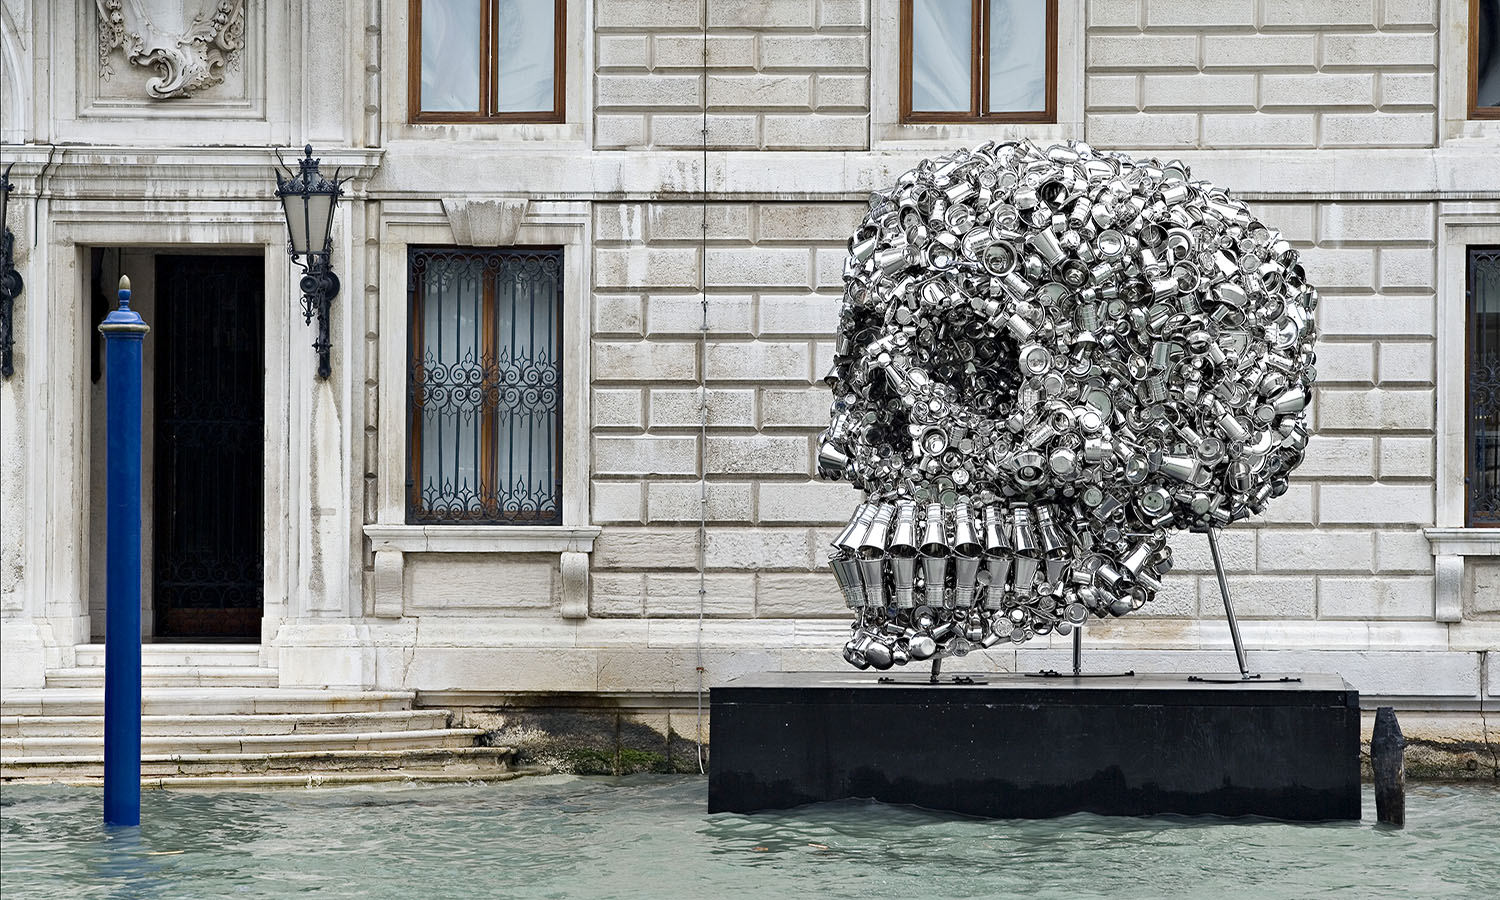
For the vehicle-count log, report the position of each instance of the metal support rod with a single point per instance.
(1234, 625)
(319, 286)
(124, 332)
(937, 670)
(1078, 650)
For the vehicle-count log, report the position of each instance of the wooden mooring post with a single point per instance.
(1388, 759)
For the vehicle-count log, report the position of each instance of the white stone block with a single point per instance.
(1408, 89)
(1362, 314)
(1406, 457)
(1214, 13)
(617, 314)
(1305, 550)
(1348, 267)
(843, 13)
(1375, 598)
(1119, 51)
(807, 314)
(1379, 129)
(682, 51)
(1200, 90)
(614, 132)
(758, 267)
(760, 14)
(1261, 596)
(1112, 92)
(616, 501)
(824, 51)
(805, 223)
(1407, 268)
(648, 14)
(1406, 361)
(1375, 409)
(832, 92)
(822, 132)
(815, 503)
(1402, 551)
(1379, 50)
(1259, 130)
(638, 267)
(758, 548)
(1281, 13)
(725, 132)
(1384, 223)
(646, 548)
(1136, 131)
(794, 407)
(798, 596)
(759, 91)
(1191, 554)
(728, 314)
(1113, 13)
(1318, 89)
(682, 407)
(1347, 457)
(1409, 12)
(648, 91)
(1375, 504)
(679, 501)
(616, 594)
(641, 455)
(758, 454)
(621, 407)
(1346, 363)
(761, 361)
(1264, 51)
(623, 51)
(677, 594)
(687, 221)
(645, 361)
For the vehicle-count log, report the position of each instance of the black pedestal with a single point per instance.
(1020, 747)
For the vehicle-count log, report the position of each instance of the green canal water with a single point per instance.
(649, 837)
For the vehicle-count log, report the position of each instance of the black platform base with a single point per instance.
(1017, 747)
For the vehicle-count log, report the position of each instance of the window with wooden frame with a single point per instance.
(486, 60)
(1484, 59)
(978, 61)
(1482, 475)
(484, 398)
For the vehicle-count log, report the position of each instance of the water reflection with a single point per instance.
(649, 836)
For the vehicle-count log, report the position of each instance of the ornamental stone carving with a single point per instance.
(188, 42)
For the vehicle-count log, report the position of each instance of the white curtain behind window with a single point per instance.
(1018, 55)
(450, 55)
(524, 55)
(942, 55)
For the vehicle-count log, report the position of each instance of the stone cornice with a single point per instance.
(1457, 170)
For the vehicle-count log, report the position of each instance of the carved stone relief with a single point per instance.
(188, 42)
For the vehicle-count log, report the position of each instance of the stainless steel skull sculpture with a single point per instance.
(1048, 360)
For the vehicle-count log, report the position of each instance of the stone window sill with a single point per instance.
(1449, 547)
(483, 538)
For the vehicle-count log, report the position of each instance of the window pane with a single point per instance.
(449, 380)
(1018, 55)
(1484, 386)
(450, 55)
(529, 425)
(524, 45)
(942, 55)
(1487, 60)
(486, 387)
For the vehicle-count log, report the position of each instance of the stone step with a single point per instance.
(300, 766)
(284, 723)
(92, 655)
(261, 744)
(170, 676)
(184, 701)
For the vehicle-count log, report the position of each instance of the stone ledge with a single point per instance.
(483, 538)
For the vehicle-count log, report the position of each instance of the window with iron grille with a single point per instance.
(978, 61)
(485, 386)
(1482, 481)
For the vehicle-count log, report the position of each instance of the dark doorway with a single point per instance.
(209, 343)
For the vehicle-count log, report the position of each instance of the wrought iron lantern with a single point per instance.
(309, 200)
(11, 284)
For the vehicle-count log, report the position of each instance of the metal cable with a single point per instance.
(702, 401)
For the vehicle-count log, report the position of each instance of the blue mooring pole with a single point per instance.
(123, 330)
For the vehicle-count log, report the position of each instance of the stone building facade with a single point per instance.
(1344, 124)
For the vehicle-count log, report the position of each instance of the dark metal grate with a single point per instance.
(209, 368)
(1482, 481)
(485, 387)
